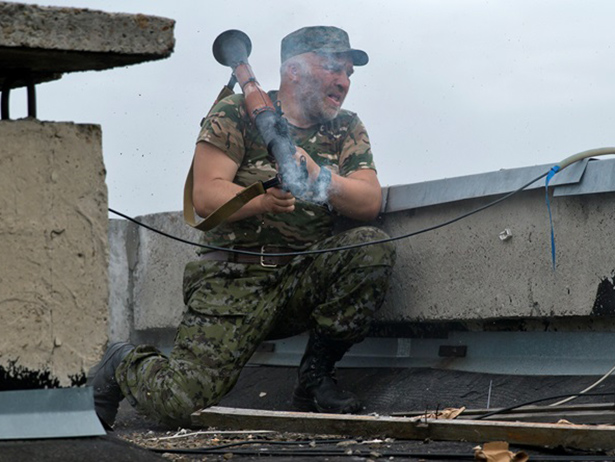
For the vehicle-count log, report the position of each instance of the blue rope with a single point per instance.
(551, 174)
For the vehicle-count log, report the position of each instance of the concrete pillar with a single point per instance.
(53, 242)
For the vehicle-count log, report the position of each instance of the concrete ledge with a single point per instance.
(467, 272)
(49, 41)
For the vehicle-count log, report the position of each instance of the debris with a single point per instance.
(347, 443)
(497, 451)
(183, 434)
(448, 413)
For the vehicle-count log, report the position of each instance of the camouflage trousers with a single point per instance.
(233, 307)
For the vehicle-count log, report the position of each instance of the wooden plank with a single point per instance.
(583, 437)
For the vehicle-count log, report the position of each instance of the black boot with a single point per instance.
(107, 393)
(317, 389)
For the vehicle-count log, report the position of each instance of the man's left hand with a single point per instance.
(312, 167)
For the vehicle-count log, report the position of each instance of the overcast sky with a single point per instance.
(453, 87)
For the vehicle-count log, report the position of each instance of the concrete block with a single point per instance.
(157, 270)
(120, 309)
(48, 41)
(53, 240)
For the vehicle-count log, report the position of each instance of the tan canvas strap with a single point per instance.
(222, 213)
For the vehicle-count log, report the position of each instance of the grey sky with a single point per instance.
(453, 87)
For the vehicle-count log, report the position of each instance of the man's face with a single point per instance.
(324, 81)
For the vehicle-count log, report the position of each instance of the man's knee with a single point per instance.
(379, 251)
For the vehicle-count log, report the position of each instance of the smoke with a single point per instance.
(309, 90)
(276, 134)
(321, 188)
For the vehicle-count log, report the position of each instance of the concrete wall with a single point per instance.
(463, 273)
(53, 242)
(466, 272)
(146, 271)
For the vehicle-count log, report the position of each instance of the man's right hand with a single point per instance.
(277, 200)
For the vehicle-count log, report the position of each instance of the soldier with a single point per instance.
(234, 301)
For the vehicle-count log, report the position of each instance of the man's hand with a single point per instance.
(276, 200)
(312, 167)
(357, 195)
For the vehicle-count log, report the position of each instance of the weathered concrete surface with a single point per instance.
(158, 268)
(154, 267)
(49, 41)
(466, 272)
(463, 273)
(120, 310)
(53, 242)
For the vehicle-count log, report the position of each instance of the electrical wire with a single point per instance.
(264, 451)
(582, 392)
(321, 453)
(272, 442)
(557, 168)
(334, 249)
(504, 410)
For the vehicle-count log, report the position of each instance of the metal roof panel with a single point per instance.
(599, 177)
(404, 197)
(48, 413)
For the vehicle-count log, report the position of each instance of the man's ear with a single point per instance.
(293, 70)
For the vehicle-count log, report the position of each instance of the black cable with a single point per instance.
(516, 406)
(262, 452)
(321, 453)
(335, 249)
(272, 442)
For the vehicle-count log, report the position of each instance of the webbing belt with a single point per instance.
(219, 215)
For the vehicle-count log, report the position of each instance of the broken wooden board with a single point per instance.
(585, 437)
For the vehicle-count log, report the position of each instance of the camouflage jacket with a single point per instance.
(341, 144)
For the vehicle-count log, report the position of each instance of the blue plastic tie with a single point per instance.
(551, 174)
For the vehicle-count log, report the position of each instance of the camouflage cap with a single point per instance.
(321, 39)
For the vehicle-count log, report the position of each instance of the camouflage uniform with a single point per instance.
(233, 307)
